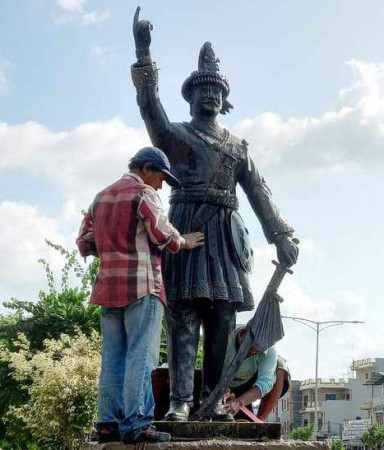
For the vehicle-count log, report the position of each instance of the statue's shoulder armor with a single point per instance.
(239, 146)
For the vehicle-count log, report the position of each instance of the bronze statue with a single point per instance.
(207, 286)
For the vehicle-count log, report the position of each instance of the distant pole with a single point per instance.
(315, 325)
(316, 380)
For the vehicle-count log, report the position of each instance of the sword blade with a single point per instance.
(249, 339)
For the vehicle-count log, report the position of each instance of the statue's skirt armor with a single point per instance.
(210, 271)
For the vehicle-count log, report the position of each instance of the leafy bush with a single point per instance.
(374, 437)
(337, 444)
(62, 308)
(61, 382)
(303, 433)
(56, 311)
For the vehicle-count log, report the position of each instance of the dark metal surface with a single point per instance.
(261, 331)
(210, 163)
(233, 430)
(241, 242)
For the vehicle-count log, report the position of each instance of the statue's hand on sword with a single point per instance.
(287, 250)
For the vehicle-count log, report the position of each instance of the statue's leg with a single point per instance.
(183, 321)
(219, 322)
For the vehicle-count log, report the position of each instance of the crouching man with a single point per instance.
(263, 376)
(127, 229)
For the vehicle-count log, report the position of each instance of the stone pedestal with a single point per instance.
(217, 436)
(214, 444)
(209, 430)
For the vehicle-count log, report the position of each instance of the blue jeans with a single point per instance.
(131, 342)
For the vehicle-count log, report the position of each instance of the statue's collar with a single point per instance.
(217, 141)
(211, 133)
(207, 127)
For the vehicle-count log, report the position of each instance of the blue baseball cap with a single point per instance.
(159, 161)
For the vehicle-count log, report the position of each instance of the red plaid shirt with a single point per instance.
(127, 228)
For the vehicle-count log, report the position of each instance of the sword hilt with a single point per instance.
(285, 269)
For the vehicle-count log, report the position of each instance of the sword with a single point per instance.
(250, 339)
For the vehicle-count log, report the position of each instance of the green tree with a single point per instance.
(61, 381)
(337, 444)
(374, 437)
(303, 433)
(58, 310)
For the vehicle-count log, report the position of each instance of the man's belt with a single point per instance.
(216, 197)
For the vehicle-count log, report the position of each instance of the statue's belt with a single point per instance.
(211, 196)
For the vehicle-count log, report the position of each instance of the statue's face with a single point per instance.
(207, 100)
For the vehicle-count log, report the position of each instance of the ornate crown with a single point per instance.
(208, 72)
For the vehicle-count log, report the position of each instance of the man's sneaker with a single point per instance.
(149, 434)
(107, 432)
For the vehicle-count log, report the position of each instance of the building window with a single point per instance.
(330, 396)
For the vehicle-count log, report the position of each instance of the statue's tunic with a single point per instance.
(209, 168)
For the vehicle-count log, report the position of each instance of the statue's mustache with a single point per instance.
(211, 100)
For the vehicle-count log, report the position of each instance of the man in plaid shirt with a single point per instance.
(127, 229)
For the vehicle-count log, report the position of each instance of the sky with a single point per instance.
(307, 85)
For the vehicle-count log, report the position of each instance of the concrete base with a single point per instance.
(217, 436)
(214, 444)
(209, 430)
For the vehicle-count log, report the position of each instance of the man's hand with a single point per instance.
(142, 34)
(233, 404)
(193, 240)
(287, 250)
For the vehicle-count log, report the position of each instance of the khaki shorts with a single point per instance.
(282, 365)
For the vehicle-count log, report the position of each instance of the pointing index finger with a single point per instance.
(136, 17)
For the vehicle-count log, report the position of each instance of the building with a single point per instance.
(371, 372)
(344, 405)
(340, 400)
(287, 410)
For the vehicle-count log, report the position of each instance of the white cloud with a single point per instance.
(24, 229)
(5, 67)
(71, 5)
(338, 345)
(94, 17)
(80, 161)
(74, 12)
(296, 301)
(101, 53)
(351, 136)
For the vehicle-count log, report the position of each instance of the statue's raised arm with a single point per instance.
(145, 78)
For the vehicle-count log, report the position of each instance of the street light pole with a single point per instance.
(316, 380)
(318, 327)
